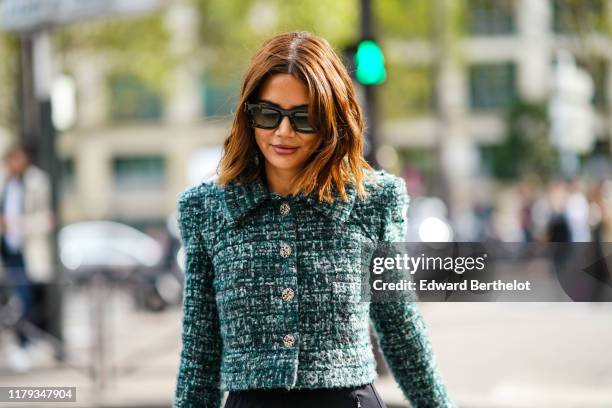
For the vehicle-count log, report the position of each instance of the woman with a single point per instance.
(271, 303)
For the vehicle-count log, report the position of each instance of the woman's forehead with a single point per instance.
(284, 90)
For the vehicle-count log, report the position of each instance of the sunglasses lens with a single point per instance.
(265, 117)
(301, 122)
(270, 118)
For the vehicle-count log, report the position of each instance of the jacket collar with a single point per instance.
(239, 199)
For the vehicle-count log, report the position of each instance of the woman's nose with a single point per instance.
(284, 128)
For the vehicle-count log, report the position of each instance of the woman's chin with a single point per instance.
(283, 164)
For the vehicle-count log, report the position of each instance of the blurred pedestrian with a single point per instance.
(601, 199)
(558, 225)
(528, 194)
(25, 247)
(577, 212)
(565, 241)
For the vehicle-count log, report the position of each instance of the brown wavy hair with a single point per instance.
(338, 160)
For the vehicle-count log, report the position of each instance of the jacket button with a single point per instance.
(288, 340)
(287, 294)
(284, 209)
(285, 250)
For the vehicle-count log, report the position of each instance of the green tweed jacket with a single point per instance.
(270, 298)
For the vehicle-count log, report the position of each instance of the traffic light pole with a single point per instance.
(370, 106)
(371, 115)
(371, 124)
(29, 108)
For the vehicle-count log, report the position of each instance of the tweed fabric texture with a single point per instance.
(246, 248)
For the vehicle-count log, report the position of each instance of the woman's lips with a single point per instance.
(284, 149)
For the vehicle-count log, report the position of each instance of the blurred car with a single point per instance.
(121, 254)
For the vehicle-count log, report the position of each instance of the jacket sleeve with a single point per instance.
(198, 377)
(399, 325)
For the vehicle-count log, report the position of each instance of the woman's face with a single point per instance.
(283, 148)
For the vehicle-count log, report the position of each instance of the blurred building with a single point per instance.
(129, 153)
(501, 51)
(127, 157)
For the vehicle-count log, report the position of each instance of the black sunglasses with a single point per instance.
(269, 117)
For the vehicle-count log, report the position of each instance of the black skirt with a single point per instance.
(363, 396)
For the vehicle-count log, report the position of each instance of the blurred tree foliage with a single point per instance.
(408, 91)
(580, 16)
(133, 46)
(9, 78)
(232, 31)
(403, 19)
(526, 148)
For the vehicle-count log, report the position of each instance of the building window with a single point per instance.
(218, 99)
(139, 173)
(68, 175)
(132, 99)
(490, 16)
(491, 85)
(578, 16)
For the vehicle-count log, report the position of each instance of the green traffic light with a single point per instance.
(370, 63)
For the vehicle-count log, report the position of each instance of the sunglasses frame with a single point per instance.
(283, 112)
